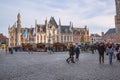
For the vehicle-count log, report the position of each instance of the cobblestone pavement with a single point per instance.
(44, 66)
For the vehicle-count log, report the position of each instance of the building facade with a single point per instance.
(3, 39)
(94, 38)
(50, 32)
(113, 34)
(81, 34)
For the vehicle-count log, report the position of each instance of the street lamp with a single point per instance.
(92, 40)
(49, 38)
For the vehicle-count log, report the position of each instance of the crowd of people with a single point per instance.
(110, 49)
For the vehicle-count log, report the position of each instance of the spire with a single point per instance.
(35, 22)
(18, 20)
(59, 22)
(18, 17)
(59, 26)
(46, 21)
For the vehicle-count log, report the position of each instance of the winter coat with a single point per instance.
(101, 49)
(71, 50)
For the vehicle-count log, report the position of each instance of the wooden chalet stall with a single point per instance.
(59, 47)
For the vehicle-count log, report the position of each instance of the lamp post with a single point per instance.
(48, 49)
(92, 46)
(92, 40)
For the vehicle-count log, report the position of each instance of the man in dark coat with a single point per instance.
(101, 50)
(77, 51)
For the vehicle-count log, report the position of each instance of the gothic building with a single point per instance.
(113, 34)
(50, 32)
(80, 34)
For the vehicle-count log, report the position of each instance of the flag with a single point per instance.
(24, 34)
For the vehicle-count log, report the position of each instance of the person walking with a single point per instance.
(10, 50)
(101, 50)
(92, 48)
(71, 55)
(110, 52)
(30, 50)
(77, 51)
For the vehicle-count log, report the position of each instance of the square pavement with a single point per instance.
(44, 66)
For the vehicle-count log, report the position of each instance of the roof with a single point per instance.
(95, 35)
(53, 22)
(65, 29)
(111, 31)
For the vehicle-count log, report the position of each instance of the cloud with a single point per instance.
(93, 13)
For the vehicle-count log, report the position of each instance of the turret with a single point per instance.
(18, 21)
(35, 23)
(18, 33)
(46, 21)
(59, 22)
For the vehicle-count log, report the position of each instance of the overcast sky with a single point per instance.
(98, 15)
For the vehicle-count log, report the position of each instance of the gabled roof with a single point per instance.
(53, 22)
(111, 31)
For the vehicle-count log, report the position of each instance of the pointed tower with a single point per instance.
(59, 26)
(46, 25)
(18, 37)
(59, 22)
(18, 21)
(36, 28)
(47, 30)
(117, 17)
